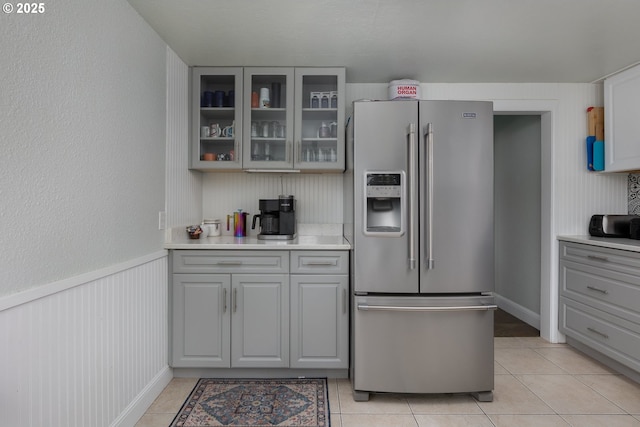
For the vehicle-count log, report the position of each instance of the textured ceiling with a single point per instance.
(435, 41)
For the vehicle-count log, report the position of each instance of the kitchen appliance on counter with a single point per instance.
(611, 225)
(277, 218)
(419, 215)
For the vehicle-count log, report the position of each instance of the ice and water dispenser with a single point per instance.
(385, 203)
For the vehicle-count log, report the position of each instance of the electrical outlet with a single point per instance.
(162, 220)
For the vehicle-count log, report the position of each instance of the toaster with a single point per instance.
(610, 225)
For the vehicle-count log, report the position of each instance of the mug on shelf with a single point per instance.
(215, 130)
(227, 132)
(207, 99)
(218, 98)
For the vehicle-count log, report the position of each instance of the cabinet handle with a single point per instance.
(344, 301)
(318, 263)
(229, 263)
(235, 299)
(603, 335)
(598, 258)
(602, 291)
(224, 297)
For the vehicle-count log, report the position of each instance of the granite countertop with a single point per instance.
(605, 242)
(310, 237)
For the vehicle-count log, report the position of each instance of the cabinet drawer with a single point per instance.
(610, 259)
(214, 261)
(614, 337)
(320, 262)
(614, 292)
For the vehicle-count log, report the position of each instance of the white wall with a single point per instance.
(83, 276)
(82, 147)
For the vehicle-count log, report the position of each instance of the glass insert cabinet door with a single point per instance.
(268, 112)
(217, 108)
(319, 118)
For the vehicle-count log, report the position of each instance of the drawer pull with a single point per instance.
(318, 263)
(598, 258)
(602, 291)
(603, 335)
(235, 300)
(229, 263)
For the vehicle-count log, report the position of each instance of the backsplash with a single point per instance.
(318, 196)
(634, 193)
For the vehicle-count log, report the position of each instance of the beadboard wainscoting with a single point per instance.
(86, 351)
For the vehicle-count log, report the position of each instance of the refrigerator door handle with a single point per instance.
(428, 136)
(413, 185)
(366, 307)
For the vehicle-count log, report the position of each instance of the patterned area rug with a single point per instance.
(256, 402)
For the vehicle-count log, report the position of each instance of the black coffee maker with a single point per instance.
(277, 218)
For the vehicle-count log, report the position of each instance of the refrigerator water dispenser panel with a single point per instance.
(384, 204)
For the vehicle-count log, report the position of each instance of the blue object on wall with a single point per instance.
(598, 155)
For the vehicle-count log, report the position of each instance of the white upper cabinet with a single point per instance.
(622, 121)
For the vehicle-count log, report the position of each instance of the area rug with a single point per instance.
(256, 402)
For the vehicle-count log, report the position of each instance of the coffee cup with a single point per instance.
(227, 132)
(205, 132)
(207, 99)
(218, 98)
(215, 130)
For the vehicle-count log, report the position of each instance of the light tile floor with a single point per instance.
(536, 384)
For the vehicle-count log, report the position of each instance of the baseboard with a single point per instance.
(138, 406)
(515, 309)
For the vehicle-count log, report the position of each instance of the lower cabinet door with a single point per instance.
(260, 320)
(201, 315)
(319, 321)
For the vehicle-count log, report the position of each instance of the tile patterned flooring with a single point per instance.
(536, 384)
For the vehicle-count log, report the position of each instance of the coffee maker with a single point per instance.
(277, 218)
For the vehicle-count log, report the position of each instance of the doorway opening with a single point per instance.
(517, 229)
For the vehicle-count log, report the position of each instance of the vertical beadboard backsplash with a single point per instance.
(318, 196)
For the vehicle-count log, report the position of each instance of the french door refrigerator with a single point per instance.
(419, 214)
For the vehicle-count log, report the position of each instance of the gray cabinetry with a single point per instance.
(301, 127)
(200, 326)
(230, 309)
(260, 320)
(600, 300)
(319, 309)
(260, 309)
(216, 100)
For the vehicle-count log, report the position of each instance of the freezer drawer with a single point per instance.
(423, 345)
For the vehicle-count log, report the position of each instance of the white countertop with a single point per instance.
(310, 237)
(252, 243)
(605, 242)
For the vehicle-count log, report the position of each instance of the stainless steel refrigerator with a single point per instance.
(419, 214)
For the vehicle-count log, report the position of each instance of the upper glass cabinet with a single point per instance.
(269, 116)
(217, 118)
(319, 118)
